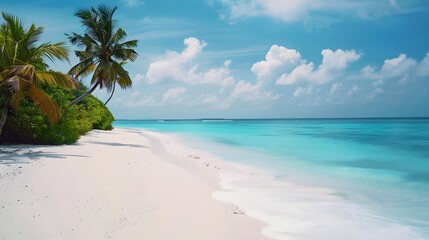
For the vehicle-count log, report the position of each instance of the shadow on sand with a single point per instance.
(115, 144)
(24, 154)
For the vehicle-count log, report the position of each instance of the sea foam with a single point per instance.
(297, 212)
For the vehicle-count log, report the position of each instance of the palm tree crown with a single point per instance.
(103, 50)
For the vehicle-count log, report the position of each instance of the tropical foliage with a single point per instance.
(22, 68)
(35, 100)
(30, 126)
(104, 51)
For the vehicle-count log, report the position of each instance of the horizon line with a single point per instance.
(302, 118)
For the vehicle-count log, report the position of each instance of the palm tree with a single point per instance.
(122, 82)
(103, 51)
(22, 68)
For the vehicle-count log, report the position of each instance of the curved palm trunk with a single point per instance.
(83, 96)
(111, 95)
(3, 117)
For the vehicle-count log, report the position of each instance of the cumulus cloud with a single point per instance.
(220, 75)
(175, 66)
(278, 57)
(398, 67)
(183, 67)
(333, 65)
(298, 10)
(173, 94)
(403, 69)
(193, 48)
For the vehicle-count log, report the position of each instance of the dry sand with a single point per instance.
(122, 184)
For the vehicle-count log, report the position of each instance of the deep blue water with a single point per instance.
(382, 164)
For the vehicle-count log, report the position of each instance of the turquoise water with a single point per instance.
(379, 164)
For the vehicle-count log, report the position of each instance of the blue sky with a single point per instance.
(261, 58)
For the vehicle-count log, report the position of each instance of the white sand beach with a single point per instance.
(122, 184)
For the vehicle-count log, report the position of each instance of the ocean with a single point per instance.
(320, 179)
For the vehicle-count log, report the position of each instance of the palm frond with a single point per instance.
(26, 71)
(14, 25)
(121, 75)
(124, 80)
(32, 36)
(46, 105)
(54, 51)
(106, 20)
(119, 35)
(57, 79)
(124, 54)
(129, 44)
(83, 68)
(85, 55)
(15, 101)
(98, 75)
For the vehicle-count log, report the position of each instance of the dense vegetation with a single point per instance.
(29, 125)
(40, 106)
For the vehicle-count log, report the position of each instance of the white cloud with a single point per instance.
(138, 78)
(297, 10)
(166, 68)
(183, 67)
(302, 72)
(402, 69)
(173, 94)
(227, 82)
(219, 75)
(423, 68)
(241, 92)
(398, 67)
(334, 88)
(277, 57)
(333, 65)
(244, 88)
(247, 91)
(175, 66)
(132, 3)
(193, 48)
(300, 91)
(368, 72)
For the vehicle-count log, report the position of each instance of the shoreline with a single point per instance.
(123, 184)
(133, 182)
(293, 210)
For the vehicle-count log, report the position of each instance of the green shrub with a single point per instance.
(29, 125)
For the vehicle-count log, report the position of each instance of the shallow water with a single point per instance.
(367, 177)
